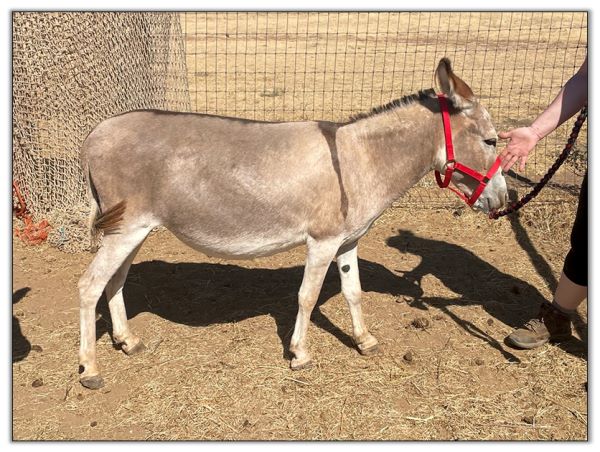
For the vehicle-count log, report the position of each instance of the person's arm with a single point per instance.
(571, 98)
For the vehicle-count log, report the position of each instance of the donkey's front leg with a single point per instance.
(319, 256)
(347, 261)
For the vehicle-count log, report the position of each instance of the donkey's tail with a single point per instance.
(107, 222)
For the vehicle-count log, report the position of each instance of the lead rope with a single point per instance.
(495, 214)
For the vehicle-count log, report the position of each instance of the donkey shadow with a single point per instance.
(476, 282)
(202, 294)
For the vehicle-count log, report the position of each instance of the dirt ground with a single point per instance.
(441, 291)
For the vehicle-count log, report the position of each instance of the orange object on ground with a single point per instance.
(31, 233)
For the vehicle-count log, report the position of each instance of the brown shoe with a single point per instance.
(549, 325)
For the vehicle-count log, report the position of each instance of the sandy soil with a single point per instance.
(441, 291)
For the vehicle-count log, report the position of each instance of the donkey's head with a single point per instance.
(474, 138)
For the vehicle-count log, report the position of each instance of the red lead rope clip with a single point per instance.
(452, 165)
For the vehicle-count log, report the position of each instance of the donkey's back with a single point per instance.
(228, 187)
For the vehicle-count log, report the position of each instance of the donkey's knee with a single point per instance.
(319, 256)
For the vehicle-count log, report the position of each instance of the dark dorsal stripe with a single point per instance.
(397, 103)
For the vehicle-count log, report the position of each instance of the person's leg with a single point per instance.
(568, 295)
(553, 321)
(572, 287)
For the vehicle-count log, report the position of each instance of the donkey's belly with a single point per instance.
(242, 247)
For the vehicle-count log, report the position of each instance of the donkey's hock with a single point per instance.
(236, 188)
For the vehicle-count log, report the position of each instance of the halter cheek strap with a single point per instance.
(452, 165)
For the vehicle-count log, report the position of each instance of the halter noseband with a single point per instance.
(452, 165)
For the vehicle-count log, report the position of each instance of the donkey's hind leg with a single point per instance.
(122, 335)
(114, 251)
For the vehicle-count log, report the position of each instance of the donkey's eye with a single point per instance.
(490, 142)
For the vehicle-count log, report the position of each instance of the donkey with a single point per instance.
(240, 189)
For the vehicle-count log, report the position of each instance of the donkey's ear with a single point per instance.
(452, 86)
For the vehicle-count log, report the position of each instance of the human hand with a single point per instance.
(522, 141)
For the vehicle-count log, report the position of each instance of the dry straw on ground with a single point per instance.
(217, 335)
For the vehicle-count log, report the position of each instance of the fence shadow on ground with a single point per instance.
(201, 294)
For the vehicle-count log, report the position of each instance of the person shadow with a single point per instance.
(21, 347)
(508, 299)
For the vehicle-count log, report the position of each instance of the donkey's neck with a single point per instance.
(395, 148)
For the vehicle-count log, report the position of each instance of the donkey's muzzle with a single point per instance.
(495, 195)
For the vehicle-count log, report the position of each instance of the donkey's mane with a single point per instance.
(397, 103)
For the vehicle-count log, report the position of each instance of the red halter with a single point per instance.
(452, 164)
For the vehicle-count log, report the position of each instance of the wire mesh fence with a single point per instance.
(72, 70)
(278, 66)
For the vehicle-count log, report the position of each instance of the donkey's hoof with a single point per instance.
(94, 382)
(301, 364)
(368, 346)
(370, 351)
(135, 349)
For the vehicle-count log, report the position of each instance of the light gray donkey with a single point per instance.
(240, 189)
